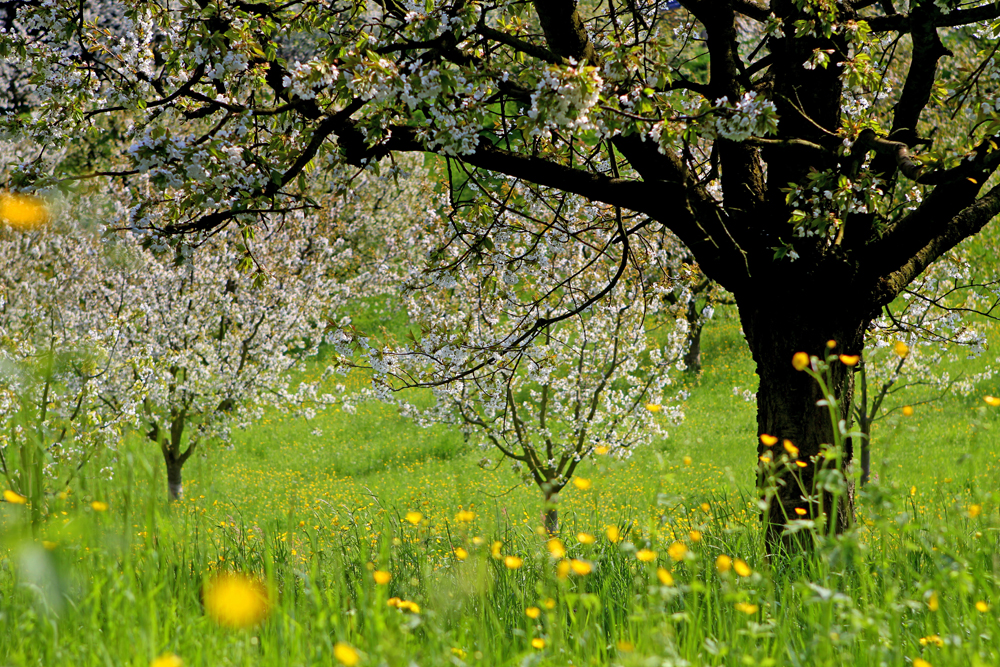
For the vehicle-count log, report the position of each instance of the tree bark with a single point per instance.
(692, 358)
(776, 328)
(175, 487)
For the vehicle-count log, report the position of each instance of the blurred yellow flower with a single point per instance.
(695, 535)
(585, 538)
(99, 506)
(920, 662)
(49, 546)
(459, 652)
(393, 602)
(613, 534)
(562, 569)
(654, 407)
(831, 343)
(495, 549)
(513, 562)
(167, 660)
(908, 410)
(677, 551)
(768, 440)
(646, 555)
(406, 605)
(556, 548)
(549, 603)
(992, 400)
(982, 607)
(801, 464)
(14, 497)
(601, 450)
(664, 576)
(625, 646)
(346, 654)
(23, 212)
(742, 568)
(687, 460)
(801, 511)
(792, 450)
(381, 577)
(581, 483)
(532, 612)
(414, 517)
(933, 603)
(934, 640)
(460, 553)
(581, 567)
(538, 643)
(901, 349)
(465, 516)
(723, 563)
(705, 507)
(236, 600)
(746, 608)
(800, 361)
(975, 510)
(849, 359)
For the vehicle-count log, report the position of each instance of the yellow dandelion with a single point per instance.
(908, 410)
(677, 551)
(601, 450)
(381, 577)
(556, 548)
(982, 607)
(801, 464)
(723, 563)
(99, 506)
(513, 562)
(414, 517)
(538, 643)
(14, 497)
(581, 567)
(646, 555)
(563, 568)
(920, 662)
(695, 535)
(581, 483)
(585, 538)
(801, 511)
(625, 646)
(495, 549)
(849, 359)
(687, 460)
(792, 450)
(613, 534)
(931, 640)
(800, 361)
(654, 407)
(768, 440)
(458, 652)
(933, 602)
(549, 604)
(831, 344)
(23, 212)
(742, 568)
(236, 600)
(532, 612)
(407, 605)
(901, 349)
(992, 400)
(346, 654)
(664, 576)
(975, 510)
(465, 516)
(393, 601)
(460, 553)
(746, 608)
(167, 660)
(705, 507)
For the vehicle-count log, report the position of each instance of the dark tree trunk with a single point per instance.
(550, 519)
(777, 326)
(175, 487)
(692, 358)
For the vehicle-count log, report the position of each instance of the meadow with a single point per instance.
(369, 541)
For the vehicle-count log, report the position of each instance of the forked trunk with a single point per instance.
(809, 479)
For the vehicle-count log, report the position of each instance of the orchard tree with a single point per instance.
(801, 177)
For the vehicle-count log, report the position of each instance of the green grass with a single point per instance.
(313, 514)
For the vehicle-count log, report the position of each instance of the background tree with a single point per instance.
(786, 164)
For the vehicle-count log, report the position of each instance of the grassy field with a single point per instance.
(373, 542)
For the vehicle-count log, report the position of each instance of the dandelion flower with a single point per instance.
(538, 643)
(613, 534)
(849, 359)
(513, 562)
(723, 563)
(800, 361)
(664, 576)
(460, 553)
(677, 551)
(768, 440)
(532, 612)
(975, 510)
(934, 640)
(742, 568)
(646, 555)
(562, 569)
(495, 549)
(549, 603)
(167, 660)
(99, 506)
(695, 535)
(601, 450)
(556, 548)
(23, 212)
(414, 517)
(908, 410)
(346, 654)
(705, 507)
(982, 607)
(585, 538)
(654, 407)
(236, 600)
(933, 602)
(465, 516)
(581, 567)
(687, 460)
(801, 511)
(831, 344)
(901, 349)
(625, 646)
(920, 662)
(792, 450)
(992, 400)
(381, 577)
(581, 483)
(14, 497)
(746, 608)
(801, 464)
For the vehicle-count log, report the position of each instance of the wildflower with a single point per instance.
(236, 600)
(613, 535)
(625, 647)
(705, 507)
(792, 450)
(742, 568)
(495, 549)
(901, 349)
(975, 510)
(654, 407)
(458, 652)
(932, 640)
(746, 608)
(982, 607)
(581, 567)
(677, 551)
(766, 457)
(533, 612)
(414, 517)
(920, 662)
(768, 440)
(14, 497)
(549, 603)
(23, 212)
(49, 546)
(461, 554)
(99, 506)
(908, 410)
(562, 569)
(687, 460)
(800, 361)
(695, 535)
(664, 576)
(167, 660)
(992, 400)
(393, 601)
(346, 654)
(538, 643)
(646, 555)
(601, 450)
(801, 511)
(382, 577)
(585, 538)
(465, 516)
(801, 464)
(513, 562)
(406, 605)
(723, 563)
(849, 359)
(933, 603)
(556, 548)
(581, 483)
(830, 344)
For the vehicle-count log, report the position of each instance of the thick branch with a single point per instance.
(564, 30)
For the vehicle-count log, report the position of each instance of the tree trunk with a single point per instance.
(550, 515)
(787, 409)
(692, 358)
(175, 488)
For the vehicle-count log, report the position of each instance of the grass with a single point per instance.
(313, 509)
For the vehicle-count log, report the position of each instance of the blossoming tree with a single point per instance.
(801, 180)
